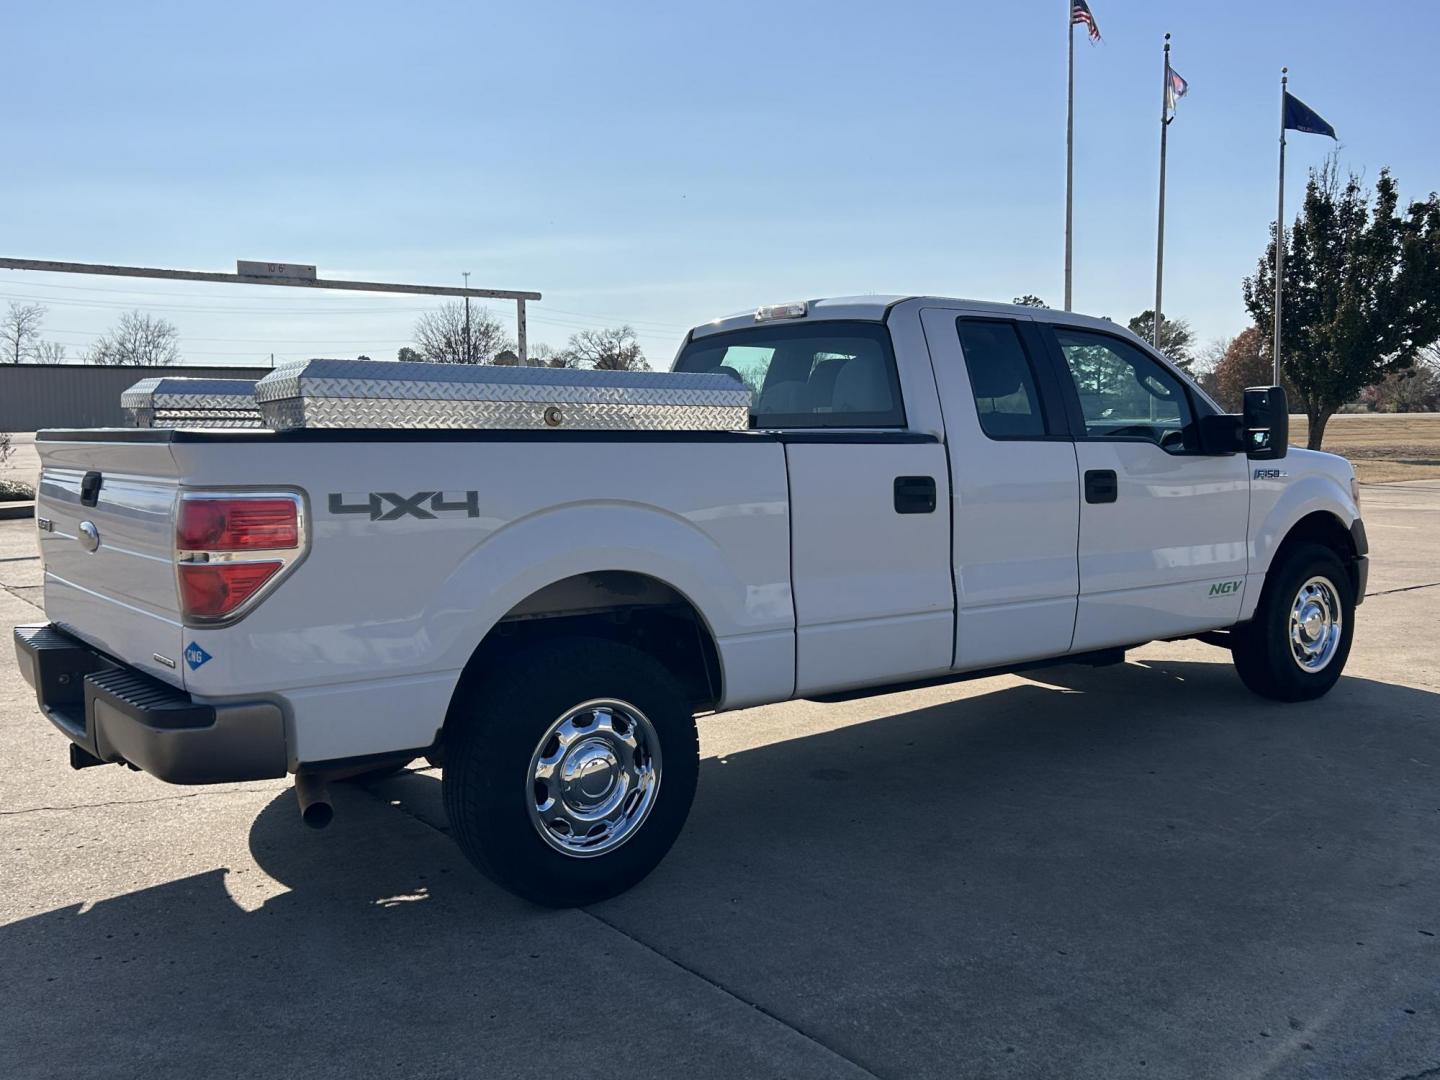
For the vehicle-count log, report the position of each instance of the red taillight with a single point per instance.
(237, 525)
(210, 590)
(231, 547)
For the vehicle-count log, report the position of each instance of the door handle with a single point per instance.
(914, 494)
(1101, 486)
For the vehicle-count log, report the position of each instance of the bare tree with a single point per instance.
(606, 350)
(4, 446)
(20, 331)
(49, 352)
(441, 337)
(138, 339)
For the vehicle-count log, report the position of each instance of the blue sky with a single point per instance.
(662, 164)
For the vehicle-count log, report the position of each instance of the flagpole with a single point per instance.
(1069, 150)
(1160, 227)
(1280, 225)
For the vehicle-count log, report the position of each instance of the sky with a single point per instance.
(663, 164)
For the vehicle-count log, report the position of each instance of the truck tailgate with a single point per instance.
(109, 567)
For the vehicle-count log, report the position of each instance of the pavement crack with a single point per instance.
(1403, 588)
(120, 802)
(723, 989)
(1424, 1074)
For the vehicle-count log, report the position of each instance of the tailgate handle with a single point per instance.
(1101, 486)
(90, 489)
(914, 494)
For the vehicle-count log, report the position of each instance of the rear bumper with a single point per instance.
(115, 713)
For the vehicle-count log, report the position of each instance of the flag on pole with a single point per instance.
(1300, 117)
(1081, 15)
(1175, 87)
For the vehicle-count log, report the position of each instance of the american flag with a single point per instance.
(1175, 87)
(1080, 13)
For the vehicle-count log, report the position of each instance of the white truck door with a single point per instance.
(1162, 526)
(1016, 502)
(870, 558)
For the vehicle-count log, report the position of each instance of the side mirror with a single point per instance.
(1267, 423)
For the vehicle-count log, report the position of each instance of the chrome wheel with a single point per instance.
(594, 777)
(1316, 622)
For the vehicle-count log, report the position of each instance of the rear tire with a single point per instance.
(570, 770)
(1296, 646)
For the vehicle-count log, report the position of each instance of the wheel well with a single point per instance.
(1320, 527)
(1324, 528)
(621, 606)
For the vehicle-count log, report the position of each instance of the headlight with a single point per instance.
(1355, 489)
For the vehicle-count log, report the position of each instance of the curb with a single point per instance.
(14, 511)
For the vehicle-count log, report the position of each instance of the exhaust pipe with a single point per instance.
(313, 795)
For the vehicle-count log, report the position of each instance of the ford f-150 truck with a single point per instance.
(927, 489)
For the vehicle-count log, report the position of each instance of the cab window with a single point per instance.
(1126, 394)
(1002, 379)
(818, 374)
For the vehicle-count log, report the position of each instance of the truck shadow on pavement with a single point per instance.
(1137, 870)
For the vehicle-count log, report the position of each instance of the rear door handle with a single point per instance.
(90, 488)
(914, 494)
(1101, 486)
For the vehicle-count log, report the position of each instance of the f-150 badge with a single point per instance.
(391, 506)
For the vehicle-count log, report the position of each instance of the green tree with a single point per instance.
(1361, 281)
(1177, 340)
(1030, 300)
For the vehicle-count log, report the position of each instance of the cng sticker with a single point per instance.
(195, 656)
(1225, 588)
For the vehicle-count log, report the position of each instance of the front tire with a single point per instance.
(1296, 646)
(570, 770)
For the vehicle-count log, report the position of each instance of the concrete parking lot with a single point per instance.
(1130, 871)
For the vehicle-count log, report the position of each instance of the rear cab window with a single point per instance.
(821, 374)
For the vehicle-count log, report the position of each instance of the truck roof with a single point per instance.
(875, 307)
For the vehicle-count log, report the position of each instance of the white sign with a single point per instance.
(274, 270)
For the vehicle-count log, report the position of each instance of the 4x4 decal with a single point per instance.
(390, 505)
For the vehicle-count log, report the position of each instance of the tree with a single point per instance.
(1360, 285)
(441, 335)
(543, 355)
(408, 355)
(49, 352)
(606, 350)
(1030, 300)
(20, 331)
(137, 339)
(1177, 340)
(1416, 389)
(1245, 363)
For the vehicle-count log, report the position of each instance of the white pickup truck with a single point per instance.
(928, 489)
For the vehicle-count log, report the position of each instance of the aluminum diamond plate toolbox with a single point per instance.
(174, 402)
(396, 394)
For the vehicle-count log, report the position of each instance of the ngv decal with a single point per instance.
(1225, 588)
(391, 506)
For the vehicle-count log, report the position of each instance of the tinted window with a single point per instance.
(1001, 377)
(814, 374)
(1124, 393)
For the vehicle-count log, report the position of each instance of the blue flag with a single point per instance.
(1300, 117)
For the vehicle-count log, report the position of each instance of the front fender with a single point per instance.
(1277, 504)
